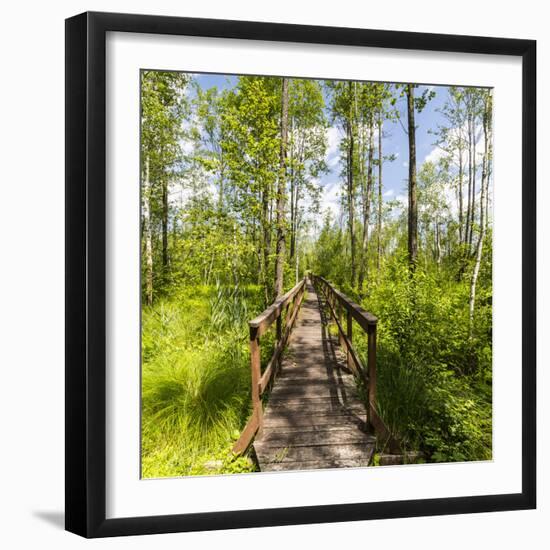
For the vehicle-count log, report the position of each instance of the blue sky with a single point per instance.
(394, 141)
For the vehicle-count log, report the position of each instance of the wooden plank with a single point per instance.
(360, 452)
(318, 465)
(303, 393)
(352, 405)
(301, 376)
(275, 401)
(313, 389)
(316, 408)
(298, 353)
(303, 429)
(343, 383)
(318, 420)
(312, 417)
(318, 437)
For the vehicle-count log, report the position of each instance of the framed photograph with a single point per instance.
(300, 274)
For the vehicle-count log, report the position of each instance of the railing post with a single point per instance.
(349, 334)
(255, 365)
(371, 366)
(340, 335)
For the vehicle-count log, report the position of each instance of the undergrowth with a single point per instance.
(196, 381)
(434, 376)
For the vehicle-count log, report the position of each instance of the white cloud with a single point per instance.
(333, 144)
(406, 164)
(389, 193)
(187, 146)
(333, 138)
(330, 199)
(435, 155)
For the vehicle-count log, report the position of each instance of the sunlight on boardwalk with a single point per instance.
(314, 418)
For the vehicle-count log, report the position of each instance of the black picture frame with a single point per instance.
(86, 283)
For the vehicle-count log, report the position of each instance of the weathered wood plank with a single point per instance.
(350, 451)
(320, 384)
(317, 465)
(293, 420)
(317, 437)
(311, 407)
(276, 401)
(306, 392)
(304, 429)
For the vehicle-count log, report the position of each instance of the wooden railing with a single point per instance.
(282, 312)
(338, 305)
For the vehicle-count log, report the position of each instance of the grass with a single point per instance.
(196, 381)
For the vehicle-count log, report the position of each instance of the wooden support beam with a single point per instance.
(371, 366)
(349, 335)
(255, 368)
(340, 332)
(247, 435)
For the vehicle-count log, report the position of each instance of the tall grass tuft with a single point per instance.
(195, 380)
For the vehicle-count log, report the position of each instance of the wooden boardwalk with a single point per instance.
(314, 417)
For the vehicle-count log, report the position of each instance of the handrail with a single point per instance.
(338, 301)
(363, 317)
(263, 321)
(260, 382)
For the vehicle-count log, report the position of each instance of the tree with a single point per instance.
(368, 97)
(253, 152)
(343, 115)
(452, 141)
(412, 210)
(281, 192)
(379, 208)
(487, 157)
(306, 154)
(163, 107)
(414, 104)
(148, 232)
(433, 207)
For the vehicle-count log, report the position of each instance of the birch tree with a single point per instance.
(486, 162)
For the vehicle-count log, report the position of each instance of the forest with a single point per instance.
(248, 183)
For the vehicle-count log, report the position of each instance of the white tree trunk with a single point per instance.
(148, 232)
(482, 225)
